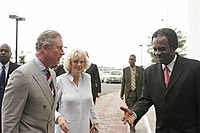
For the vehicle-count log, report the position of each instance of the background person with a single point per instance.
(8, 66)
(76, 102)
(95, 81)
(29, 100)
(59, 70)
(132, 83)
(176, 102)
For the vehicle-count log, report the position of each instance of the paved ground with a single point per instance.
(108, 108)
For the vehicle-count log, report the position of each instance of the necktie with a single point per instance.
(49, 80)
(3, 77)
(132, 79)
(166, 73)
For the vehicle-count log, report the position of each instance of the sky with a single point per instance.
(110, 30)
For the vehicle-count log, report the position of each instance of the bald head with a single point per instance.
(5, 53)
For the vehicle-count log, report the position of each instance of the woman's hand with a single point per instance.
(62, 122)
(94, 128)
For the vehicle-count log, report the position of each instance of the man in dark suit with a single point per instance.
(177, 103)
(8, 66)
(132, 82)
(59, 70)
(95, 79)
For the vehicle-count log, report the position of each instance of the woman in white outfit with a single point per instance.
(76, 105)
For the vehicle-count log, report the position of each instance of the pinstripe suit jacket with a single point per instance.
(126, 81)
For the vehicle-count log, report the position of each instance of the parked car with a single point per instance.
(115, 76)
(101, 75)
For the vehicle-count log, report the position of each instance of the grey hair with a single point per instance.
(76, 54)
(47, 37)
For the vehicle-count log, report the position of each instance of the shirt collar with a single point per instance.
(6, 65)
(39, 63)
(170, 66)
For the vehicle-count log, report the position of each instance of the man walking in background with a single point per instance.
(132, 83)
(6, 68)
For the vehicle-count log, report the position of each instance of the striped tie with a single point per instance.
(133, 79)
(49, 80)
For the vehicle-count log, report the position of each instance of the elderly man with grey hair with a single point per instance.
(30, 96)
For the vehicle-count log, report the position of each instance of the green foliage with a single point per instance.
(181, 45)
(22, 58)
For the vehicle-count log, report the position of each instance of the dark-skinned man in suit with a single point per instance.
(9, 67)
(177, 104)
(131, 86)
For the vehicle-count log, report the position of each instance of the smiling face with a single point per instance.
(77, 66)
(164, 54)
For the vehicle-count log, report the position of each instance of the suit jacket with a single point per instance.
(178, 106)
(126, 81)
(95, 79)
(28, 104)
(12, 67)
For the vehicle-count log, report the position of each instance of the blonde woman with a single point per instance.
(76, 105)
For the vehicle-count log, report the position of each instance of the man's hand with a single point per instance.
(129, 116)
(94, 128)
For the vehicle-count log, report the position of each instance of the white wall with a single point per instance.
(193, 40)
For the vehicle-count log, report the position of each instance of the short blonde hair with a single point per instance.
(76, 54)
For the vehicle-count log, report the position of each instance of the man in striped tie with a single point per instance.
(29, 103)
(132, 82)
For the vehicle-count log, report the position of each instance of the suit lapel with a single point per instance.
(11, 68)
(42, 82)
(136, 75)
(159, 75)
(176, 72)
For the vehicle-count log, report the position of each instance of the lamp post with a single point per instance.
(65, 47)
(141, 54)
(17, 18)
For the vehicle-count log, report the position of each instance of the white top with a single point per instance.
(76, 103)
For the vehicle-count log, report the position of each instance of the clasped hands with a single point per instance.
(129, 116)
